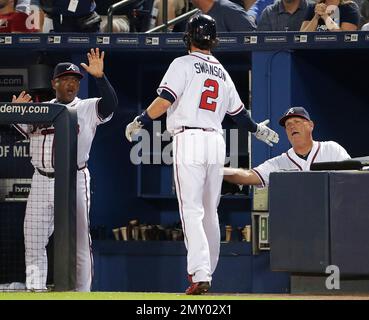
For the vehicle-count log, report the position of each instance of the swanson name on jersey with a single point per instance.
(203, 67)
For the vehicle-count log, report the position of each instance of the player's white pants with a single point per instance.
(39, 225)
(198, 160)
(84, 252)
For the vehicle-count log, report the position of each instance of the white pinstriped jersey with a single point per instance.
(42, 139)
(321, 152)
(203, 92)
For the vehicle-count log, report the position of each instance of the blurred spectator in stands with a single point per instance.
(283, 15)
(14, 21)
(71, 16)
(364, 11)
(360, 4)
(181, 25)
(332, 15)
(134, 17)
(254, 8)
(175, 9)
(241, 3)
(246, 4)
(121, 22)
(257, 7)
(228, 15)
(23, 6)
(32, 8)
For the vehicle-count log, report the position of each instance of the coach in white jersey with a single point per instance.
(197, 92)
(304, 151)
(39, 218)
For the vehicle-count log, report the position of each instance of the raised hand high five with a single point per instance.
(95, 65)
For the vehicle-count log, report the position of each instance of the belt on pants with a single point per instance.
(51, 175)
(183, 128)
(82, 167)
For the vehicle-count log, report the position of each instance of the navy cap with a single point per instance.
(294, 112)
(67, 68)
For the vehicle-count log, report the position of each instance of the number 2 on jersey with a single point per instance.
(208, 96)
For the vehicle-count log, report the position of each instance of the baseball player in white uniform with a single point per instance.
(197, 92)
(304, 151)
(39, 218)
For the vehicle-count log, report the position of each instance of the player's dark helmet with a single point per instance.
(201, 31)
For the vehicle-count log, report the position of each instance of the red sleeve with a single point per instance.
(19, 23)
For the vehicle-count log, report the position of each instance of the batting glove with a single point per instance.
(133, 128)
(266, 134)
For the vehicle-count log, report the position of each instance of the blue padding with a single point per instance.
(151, 266)
(350, 222)
(299, 221)
(319, 219)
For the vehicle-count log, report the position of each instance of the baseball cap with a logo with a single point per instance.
(294, 112)
(66, 68)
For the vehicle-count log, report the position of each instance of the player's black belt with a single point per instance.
(197, 128)
(82, 167)
(183, 128)
(51, 175)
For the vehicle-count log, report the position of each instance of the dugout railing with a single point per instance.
(64, 120)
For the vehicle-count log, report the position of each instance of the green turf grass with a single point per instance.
(132, 296)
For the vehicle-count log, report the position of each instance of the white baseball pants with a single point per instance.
(198, 160)
(39, 225)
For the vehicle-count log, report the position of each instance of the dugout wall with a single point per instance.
(65, 123)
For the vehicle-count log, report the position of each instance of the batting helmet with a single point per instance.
(201, 32)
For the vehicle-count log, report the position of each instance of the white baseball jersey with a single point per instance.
(42, 139)
(39, 219)
(290, 161)
(203, 92)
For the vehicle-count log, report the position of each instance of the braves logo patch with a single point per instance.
(72, 67)
(292, 110)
